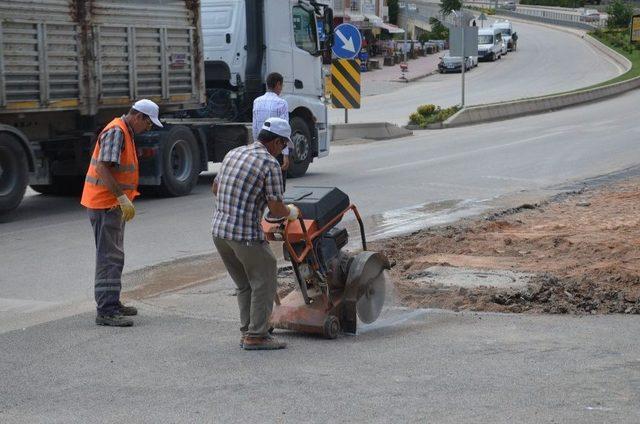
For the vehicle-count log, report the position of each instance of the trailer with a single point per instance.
(67, 67)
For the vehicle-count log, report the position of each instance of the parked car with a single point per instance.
(509, 5)
(590, 15)
(453, 63)
(509, 37)
(490, 44)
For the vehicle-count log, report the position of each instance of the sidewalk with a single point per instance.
(373, 82)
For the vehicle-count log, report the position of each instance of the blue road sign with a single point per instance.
(347, 41)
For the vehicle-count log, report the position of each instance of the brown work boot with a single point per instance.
(262, 343)
(115, 320)
(127, 311)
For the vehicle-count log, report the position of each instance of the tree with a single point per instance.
(438, 31)
(620, 14)
(393, 11)
(448, 6)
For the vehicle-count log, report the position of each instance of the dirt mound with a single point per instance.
(582, 248)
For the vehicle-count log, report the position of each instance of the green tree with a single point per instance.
(438, 31)
(393, 11)
(620, 14)
(448, 6)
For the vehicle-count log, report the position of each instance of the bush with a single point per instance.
(426, 110)
(430, 114)
(620, 14)
(417, 119)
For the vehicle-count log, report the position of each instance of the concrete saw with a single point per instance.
(335, 287)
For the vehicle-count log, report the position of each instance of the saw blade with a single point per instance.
(373, 282)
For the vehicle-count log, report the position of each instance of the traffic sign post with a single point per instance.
(347, 41)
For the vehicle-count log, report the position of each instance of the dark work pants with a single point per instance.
(280, 159)
(108, 230)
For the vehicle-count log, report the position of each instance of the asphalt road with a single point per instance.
(181, 364)
(47, 251)
(547, 61)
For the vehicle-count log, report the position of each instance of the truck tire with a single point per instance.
(14, 173)
(180, 162)
(302, 151)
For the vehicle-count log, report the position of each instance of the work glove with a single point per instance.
(127, 208)
(294, 212)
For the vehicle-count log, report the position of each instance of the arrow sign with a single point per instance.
(348, 42)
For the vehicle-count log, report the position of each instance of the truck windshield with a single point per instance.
(485, 39)
(304, 29)
(505, 31)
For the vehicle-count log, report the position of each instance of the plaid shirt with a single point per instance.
(112, 143)
(269, 105)
(248, 178)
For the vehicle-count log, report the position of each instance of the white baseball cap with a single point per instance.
(150, 109)
(278, 126)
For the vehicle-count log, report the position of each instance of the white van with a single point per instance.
(506, 29)
(489, 44)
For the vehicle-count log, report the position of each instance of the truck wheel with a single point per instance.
(302, 153)
(180, 162)
(14, 173)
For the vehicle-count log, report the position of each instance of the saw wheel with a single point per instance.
(367, 273)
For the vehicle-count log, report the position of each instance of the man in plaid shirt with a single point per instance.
(249, 181)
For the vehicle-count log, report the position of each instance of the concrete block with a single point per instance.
(369, 130)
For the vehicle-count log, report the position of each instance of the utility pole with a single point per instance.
(464, 59)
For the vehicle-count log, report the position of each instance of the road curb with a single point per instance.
(506, 110)
(368, 130)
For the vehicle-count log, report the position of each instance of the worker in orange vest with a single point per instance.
(109, 189)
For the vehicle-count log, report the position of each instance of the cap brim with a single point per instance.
(156, 122)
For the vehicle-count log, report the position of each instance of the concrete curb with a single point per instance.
(506, 110)
(368, 130)
(412, 79)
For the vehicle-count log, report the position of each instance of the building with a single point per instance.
(368, 15)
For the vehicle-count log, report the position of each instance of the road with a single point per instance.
(47, 251)
(547, 61)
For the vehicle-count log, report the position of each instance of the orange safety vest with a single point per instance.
(96, 195)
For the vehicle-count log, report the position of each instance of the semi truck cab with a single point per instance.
(244, 40)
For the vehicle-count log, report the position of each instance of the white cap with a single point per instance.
(278, 126)
(150, 109)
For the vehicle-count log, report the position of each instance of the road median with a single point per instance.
(368, 131)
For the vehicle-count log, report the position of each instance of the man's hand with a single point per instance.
(285, 162)
(128, 210)
(294, 212)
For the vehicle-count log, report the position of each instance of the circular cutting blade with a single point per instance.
(372, 287)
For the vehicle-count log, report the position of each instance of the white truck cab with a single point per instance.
(489, 44)
(245, 40)
(506, 29)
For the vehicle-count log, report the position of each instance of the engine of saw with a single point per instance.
(335, 287)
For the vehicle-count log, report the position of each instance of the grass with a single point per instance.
(632, 54)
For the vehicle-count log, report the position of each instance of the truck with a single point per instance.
(67, 67)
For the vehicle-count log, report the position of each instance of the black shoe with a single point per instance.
(127, 311)
(115, 320)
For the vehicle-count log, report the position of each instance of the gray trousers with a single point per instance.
(253, 268)
(108, 230)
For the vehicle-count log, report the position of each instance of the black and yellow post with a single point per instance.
(345, 85)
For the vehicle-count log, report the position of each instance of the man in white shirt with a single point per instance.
(271, 105)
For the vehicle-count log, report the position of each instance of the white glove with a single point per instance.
(127, 208)
(294, 212)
